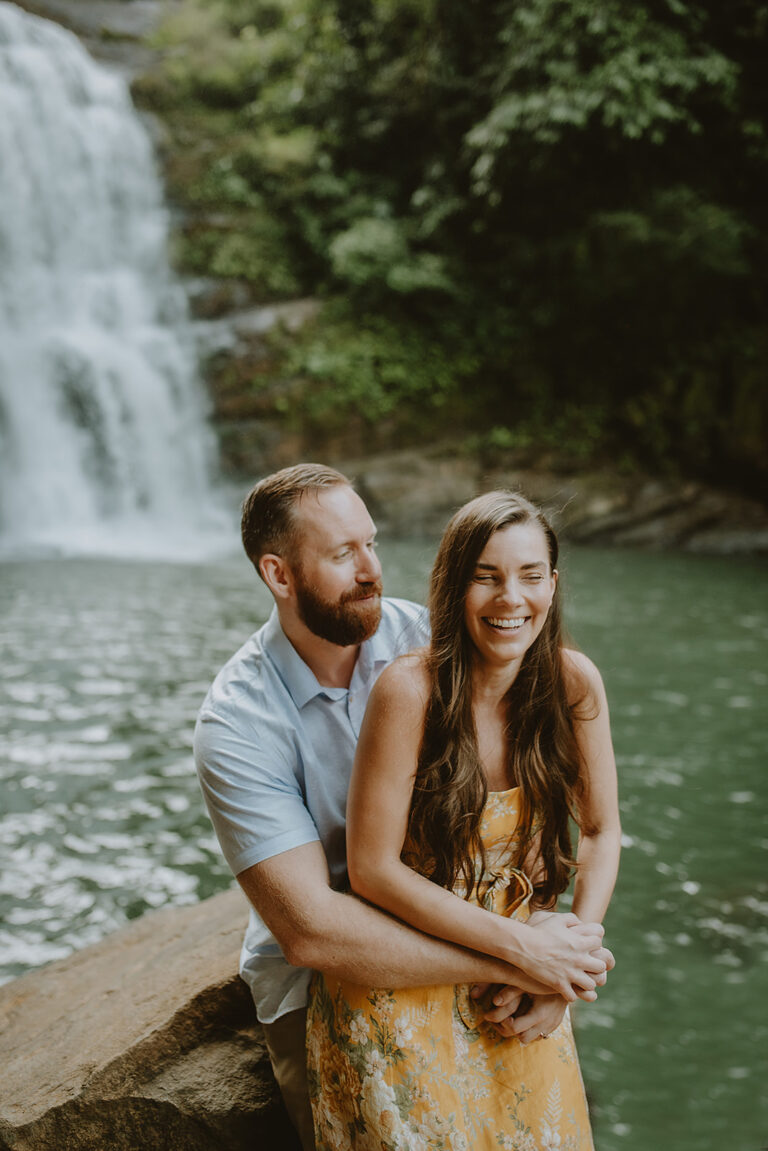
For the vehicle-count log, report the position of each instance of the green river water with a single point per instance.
(105, 664)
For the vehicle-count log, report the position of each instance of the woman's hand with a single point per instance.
(566, 954)
(516, 1014)
(544, 1016)
(506, 999)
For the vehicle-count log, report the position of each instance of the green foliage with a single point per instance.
(678, 227)
(376, 252)
(253, 248)
(551, 212)
(573, 437)
(221, 184)
(567, 66)
(376, 367)
(367, 251)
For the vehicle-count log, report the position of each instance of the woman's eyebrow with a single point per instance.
(538, 565)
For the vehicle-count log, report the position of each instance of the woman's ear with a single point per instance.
(276, 575)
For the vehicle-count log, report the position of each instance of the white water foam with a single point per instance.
(104, 443)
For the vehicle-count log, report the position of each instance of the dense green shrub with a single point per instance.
(378, 366)
(551, 213)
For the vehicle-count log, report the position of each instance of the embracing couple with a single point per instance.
(393, 790)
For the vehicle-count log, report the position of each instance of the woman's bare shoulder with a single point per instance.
(405, 682)
(583, 681)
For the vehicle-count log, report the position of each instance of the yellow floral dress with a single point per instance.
(419, 1069)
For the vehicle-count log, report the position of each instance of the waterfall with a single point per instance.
(103, 437)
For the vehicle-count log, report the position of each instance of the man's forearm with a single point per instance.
(326, 930)
(371, 948)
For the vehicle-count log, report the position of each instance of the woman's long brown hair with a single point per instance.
(543, 757)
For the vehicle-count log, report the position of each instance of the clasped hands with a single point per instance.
(532, 1016)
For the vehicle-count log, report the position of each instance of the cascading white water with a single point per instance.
(103, 437)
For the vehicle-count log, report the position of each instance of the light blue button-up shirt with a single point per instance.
(274, 751)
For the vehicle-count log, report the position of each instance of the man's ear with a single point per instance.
(277, 575)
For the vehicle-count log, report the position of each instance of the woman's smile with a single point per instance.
(507, 624)
(510, 592)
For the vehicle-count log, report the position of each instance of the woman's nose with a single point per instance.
(509, 591)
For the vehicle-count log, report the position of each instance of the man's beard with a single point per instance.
(346, 621)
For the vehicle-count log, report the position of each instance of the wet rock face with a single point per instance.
(414, 492)
(146, 1041)
(128, 19)
(112, 30)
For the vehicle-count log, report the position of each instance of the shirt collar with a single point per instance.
(300, 680)
(374, 652)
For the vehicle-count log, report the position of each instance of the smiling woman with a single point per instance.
(473, 756)
(510, 594)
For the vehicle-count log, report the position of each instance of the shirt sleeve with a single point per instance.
(411, 624)
(251, 791)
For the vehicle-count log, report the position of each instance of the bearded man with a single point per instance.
(274, 746)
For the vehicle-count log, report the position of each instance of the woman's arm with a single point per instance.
(377, 820)
(598, 816)
(599, 843)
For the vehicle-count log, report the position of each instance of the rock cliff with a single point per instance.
(413, 493)
(146, 1041)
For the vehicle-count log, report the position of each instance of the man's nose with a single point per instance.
(369, 568)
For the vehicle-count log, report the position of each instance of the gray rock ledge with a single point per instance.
(414, 492)
(145, 1041)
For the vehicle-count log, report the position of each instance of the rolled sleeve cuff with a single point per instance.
(257, 853)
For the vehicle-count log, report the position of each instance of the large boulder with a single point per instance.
(146, 1041)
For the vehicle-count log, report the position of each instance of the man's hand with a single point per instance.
(529, 1016)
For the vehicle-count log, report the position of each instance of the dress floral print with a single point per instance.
(419, 1069)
